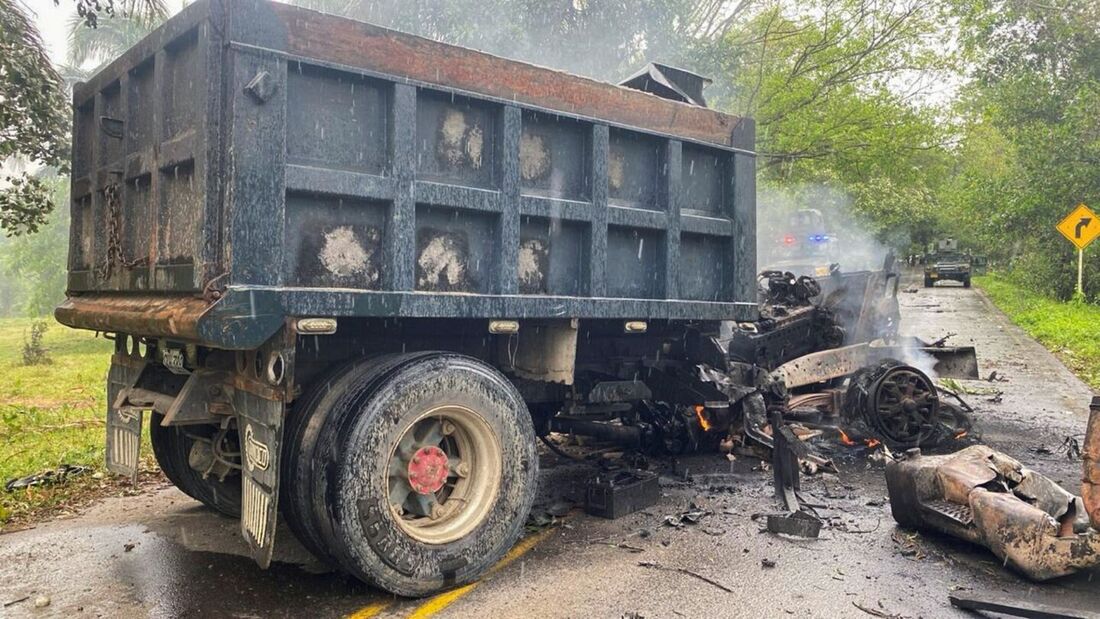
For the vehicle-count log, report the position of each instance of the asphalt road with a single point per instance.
(162, 555)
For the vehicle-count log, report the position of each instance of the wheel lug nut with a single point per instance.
(437, 512)
(463, 469)
(448, 428)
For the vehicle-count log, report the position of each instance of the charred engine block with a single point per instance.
(791, 324)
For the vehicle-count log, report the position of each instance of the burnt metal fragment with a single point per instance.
(1016, 608)
(988, 498)
(1090, 455)
(617, 494)
(798, 524)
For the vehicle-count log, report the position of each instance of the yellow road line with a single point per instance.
(443, 600)
(371, 610)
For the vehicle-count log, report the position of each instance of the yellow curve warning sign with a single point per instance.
(1081, 227)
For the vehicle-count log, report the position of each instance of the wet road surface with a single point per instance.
(162, 555)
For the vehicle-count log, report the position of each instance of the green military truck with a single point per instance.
(945, 262)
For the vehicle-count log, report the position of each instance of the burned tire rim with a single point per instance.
(903, 405)
(443, 474)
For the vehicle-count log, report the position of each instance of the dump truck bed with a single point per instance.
(250, 161)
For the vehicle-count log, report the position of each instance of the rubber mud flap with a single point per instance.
(123, 424)
(260, 426)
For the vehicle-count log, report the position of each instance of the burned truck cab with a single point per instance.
(353, 274)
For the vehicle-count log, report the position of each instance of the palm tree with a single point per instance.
(97, 46)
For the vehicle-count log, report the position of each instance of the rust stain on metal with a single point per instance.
(153, 316)
(1090, 455)
(983, 496)
(372, 47)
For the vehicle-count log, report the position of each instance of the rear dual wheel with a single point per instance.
(412, 472)
(174, 448)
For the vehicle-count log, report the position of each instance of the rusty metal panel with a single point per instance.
(142, 188)
(348, 42)
(160, 315)
(140, 125)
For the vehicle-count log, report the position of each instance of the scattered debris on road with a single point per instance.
(1016, 608)
(797, 524)
(687, 572)
(988, 498)
(16, 601)
(617, 494)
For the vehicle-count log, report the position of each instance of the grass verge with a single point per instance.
(1070, 330)
(52, 414)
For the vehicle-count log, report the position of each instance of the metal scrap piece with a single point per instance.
(798, 524)
(988, 498)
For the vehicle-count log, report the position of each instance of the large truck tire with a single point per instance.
(172, 448)
(304, 513)
(429, 469)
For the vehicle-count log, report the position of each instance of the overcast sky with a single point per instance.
(52, 23)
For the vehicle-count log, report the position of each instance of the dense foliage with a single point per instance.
(34, 120)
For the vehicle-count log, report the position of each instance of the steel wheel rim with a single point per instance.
(904, 403)
(473, 462)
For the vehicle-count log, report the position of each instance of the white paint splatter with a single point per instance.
(342, 254)
(451, 134)
(615, 170)
(530, 274)
(440, 260)
(475, 143)
(534, 160)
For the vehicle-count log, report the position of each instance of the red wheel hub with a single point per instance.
(428, 470)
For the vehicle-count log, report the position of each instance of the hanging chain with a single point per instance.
(113, 254)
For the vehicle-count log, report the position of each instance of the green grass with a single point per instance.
(1070, 330)
(49, 414)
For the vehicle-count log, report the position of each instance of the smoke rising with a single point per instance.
(804, 228)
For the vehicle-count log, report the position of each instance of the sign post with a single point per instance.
(1080, 227)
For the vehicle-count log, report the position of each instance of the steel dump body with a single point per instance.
(250, 161)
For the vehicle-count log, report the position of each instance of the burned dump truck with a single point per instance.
(352, 274)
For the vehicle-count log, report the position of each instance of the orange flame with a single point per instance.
(701, 414)
(961, 434)
(872, 442)
(844, 438)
